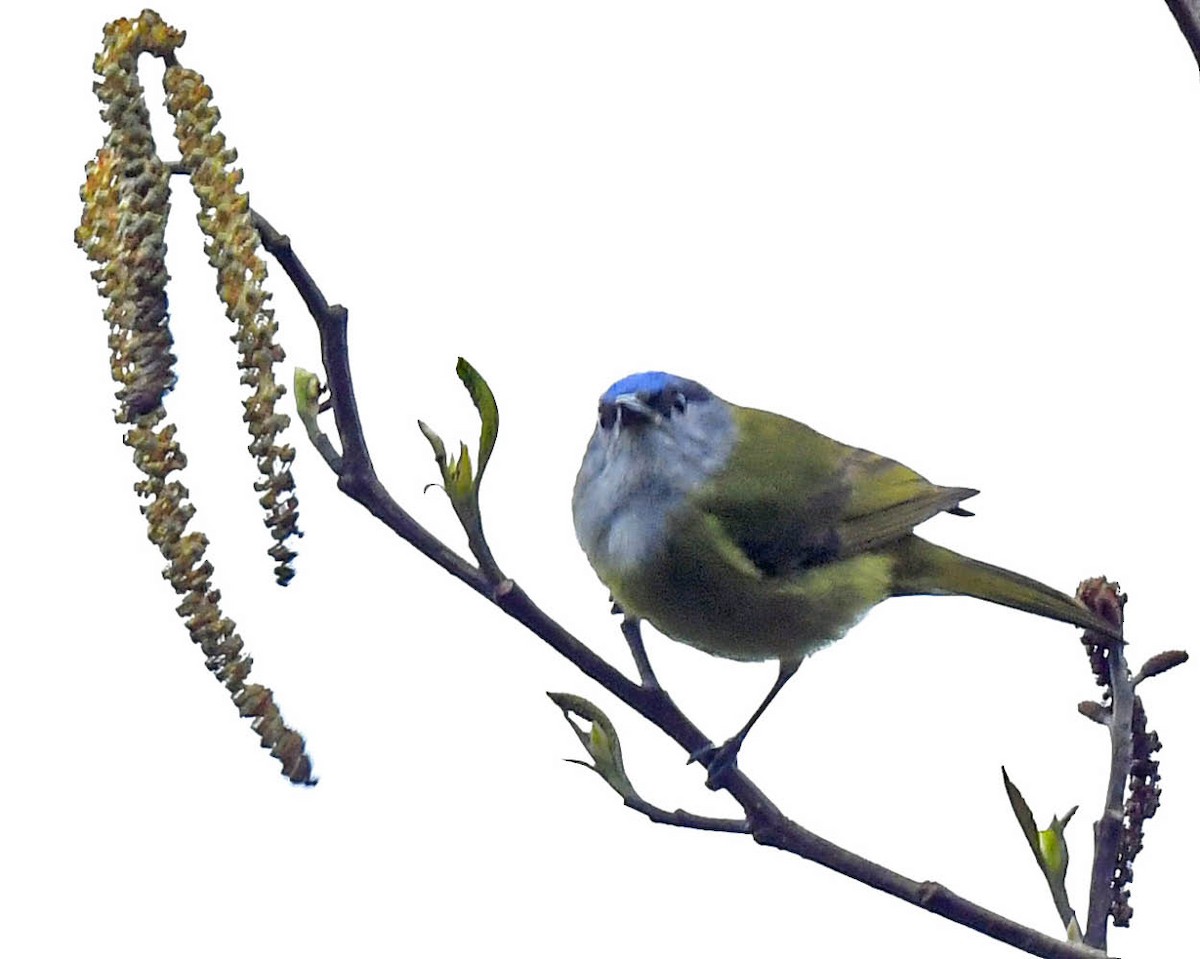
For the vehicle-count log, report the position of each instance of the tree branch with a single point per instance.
(1187, 16)
(1108, 826)
(764, 820)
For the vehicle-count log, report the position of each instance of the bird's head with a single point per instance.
(657, 438)
(656, 431)
(648, 398)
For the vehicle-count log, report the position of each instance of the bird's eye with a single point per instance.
(679, 402)
(608, 415)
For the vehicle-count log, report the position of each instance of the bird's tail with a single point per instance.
(923, 568)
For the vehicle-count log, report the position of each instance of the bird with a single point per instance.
(750, 536)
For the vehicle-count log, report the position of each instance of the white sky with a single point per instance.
(958, 234)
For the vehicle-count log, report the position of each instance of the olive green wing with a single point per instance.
(888, 499)
(792, 498)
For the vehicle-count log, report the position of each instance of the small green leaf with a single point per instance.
(1049, 849)
(489, 413)
(1053, 846)
(307, 390)
(459, 482)
(600, 741)
(439, 448)
(1024, 816)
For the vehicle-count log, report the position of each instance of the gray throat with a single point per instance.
(635, 476)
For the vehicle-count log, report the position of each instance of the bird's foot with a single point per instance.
(720, 761)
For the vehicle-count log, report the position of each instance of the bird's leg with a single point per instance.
(720, 759)
(631, 627)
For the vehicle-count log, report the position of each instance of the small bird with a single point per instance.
(753, 537)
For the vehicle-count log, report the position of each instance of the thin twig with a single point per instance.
(1187, 15)
(356, 478)
(1108, 826)
(685, 819)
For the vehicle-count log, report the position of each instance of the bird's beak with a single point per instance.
(638, 407)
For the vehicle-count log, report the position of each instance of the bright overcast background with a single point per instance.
(960, 234)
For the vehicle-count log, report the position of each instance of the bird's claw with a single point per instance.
(718, 760)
